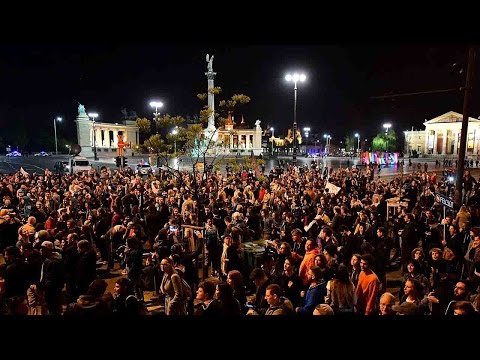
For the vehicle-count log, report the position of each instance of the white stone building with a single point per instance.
(106, 136)
(240, 140)
(442, 136)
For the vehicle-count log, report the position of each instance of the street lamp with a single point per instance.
(55, 129)
(93, 116)
(156, 105)
(272, 138)
(387, 126)
(358, 142)
(294, 78)
(327, 143)
(175, 132)
(306, 131)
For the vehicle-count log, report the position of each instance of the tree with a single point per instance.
(190, 140)
(350, 143)
(143, 125)
(385, 142)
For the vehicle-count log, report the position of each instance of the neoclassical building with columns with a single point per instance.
(442, 136)
(105, 136)
(240, 140)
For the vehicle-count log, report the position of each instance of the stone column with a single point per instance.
(247, 141)
(231, 141)
(475, 147)
(444, 144)
(98, 137)
(455, 148)
(115, 138)
(426, 140)
(435, 150)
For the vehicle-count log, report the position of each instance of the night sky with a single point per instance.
(41, 81)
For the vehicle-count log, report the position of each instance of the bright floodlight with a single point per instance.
(156, 104)
(59, 119)
(271, 129)
(387, 126)
(306, 129)
(295, 77)
(174, 131)
(93, 115)
(356, 135)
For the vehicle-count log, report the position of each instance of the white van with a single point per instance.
(77, 164)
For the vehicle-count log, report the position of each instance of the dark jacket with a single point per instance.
(86, 271)
(285, 307)
(16, 279)
(292, 293)
(213, 309)
(53, 273)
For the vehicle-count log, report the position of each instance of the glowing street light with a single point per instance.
(273, 135)
(55, 129)
(306, 130)
(156, 105)
(175, 132)
(295, 78)
(387, 126)
(357, 135)
(327, 143)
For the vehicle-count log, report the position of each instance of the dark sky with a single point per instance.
(40, 81)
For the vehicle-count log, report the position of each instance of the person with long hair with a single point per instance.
(230, 306)
(341, 292)
(235, 280)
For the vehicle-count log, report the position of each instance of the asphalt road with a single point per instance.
(39, 164)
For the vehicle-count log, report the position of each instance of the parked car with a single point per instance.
(144, 168)
(42, 153)
(14, 154)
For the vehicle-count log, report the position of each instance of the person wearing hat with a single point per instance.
(52, 277)
(406, 308)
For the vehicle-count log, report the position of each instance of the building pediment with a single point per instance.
(449, 117)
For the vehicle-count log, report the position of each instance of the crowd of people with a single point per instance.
(328, 235)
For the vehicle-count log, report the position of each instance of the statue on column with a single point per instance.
(209, 63)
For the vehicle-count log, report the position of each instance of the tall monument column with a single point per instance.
(211, 97)
(211, 130)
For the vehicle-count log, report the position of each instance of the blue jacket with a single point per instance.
(315, 295)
